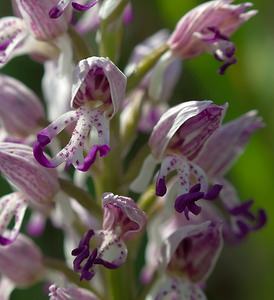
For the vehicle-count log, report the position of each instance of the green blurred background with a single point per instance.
(245, 271)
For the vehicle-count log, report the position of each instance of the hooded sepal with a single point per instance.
(193, 250)
(22, 262)
(97, 81)
(185, 128)
(18, 101)
(122, 216)
(20, 168)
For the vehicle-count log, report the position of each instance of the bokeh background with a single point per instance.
(245, 271)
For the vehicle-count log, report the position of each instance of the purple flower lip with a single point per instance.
(83, 253)
(91, 157)
(84, 7)
(226, 50)
(38, 153)
(246, 220)
(186, 202)
(4, 45)
(161, 187)
(55, 12)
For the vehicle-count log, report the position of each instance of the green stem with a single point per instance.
(80, 47)
(58, 265)
(144, 66)
(147, 199)
(82, 196)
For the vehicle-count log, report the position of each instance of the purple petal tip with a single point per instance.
(55, 13)
(161, 187)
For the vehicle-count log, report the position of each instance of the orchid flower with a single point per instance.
(98, 89)
(20, 102)
(122, 221)
(36, 187)
(208, 28)
(175, 141)
(188, 255)
(33, 32)
(21, 262)
(217, 157)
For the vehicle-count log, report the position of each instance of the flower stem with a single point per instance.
(80, 47)
(147, 199)
(58, 265)
(82, 196)
(144, 66)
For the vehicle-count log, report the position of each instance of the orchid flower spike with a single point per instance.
(208, 28)
(175, 141)
(22, 262)
(61, 7)
(19, 101)
(216, 159)
(122, 221)
(98, 89)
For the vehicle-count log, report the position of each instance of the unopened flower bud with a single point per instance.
(21, 261)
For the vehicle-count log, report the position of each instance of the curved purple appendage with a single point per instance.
(87, 272)
(4, 45)
(261, 219)
(161, 186)
(84, 7)
(106, 264)
(246, 220)
(38, 153)
(83, 242)
(5, 241)
(80, 258)
(186, 203)
(213, 192)
(55, 12)
(43, 139)
(91, 157)
(226, 65)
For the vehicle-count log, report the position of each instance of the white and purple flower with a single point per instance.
(97, 92)
(175, 142)
(122, 220)
(208, 28)
(217, 157)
